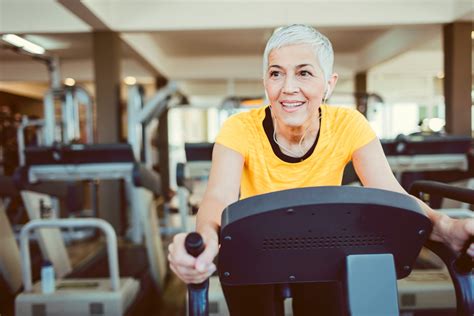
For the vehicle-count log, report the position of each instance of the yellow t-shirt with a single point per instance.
(342, 131)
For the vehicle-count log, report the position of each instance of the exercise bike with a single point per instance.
(364, 238)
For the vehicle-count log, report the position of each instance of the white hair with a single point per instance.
(302, 34)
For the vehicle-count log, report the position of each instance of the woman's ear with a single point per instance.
(331, 85)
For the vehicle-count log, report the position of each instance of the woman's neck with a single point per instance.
(295, 142)
(294, 134)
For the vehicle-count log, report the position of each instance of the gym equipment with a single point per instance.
(67, 161)
(84, 296)
(67, 119)
(51, 195)
(50, 240)
(428, 289)
(191, 177)
(427, 153)
(86, 162)
(10, 264)
(280, 237)
(93, 162)
(60, 157)
(146, 264)
(446, 158)
(8, 190)
(140, 113)
(72, 98)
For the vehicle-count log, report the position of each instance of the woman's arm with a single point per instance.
(373, 169)
(222, 190)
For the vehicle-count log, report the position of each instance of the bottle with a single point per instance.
(48, 285)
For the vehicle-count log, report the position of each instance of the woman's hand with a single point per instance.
(188, 268)
(222, 190)
(455, 233)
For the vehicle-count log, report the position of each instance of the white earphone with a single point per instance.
(326, 95)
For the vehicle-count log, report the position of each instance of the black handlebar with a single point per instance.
(460, 266)
(461, 273)
(444, 190)
(197, 293)
(194, 244)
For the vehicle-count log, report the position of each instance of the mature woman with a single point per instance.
(296, 141)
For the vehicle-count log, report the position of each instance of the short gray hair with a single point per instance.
(302, 34)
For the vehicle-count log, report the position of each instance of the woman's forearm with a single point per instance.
(209, 218)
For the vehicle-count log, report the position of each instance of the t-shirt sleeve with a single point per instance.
(233, 134)
(361, 131)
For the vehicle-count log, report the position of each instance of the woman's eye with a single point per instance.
(274, 74)
(305, 73)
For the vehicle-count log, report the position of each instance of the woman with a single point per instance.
(297, 141)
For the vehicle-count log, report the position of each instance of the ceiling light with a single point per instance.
(440, 75)
(130, 80)
(69, 82)
(48, 42)
(472, 34)
(23, 44)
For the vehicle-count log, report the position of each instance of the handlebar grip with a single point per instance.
(462, 279)
(463, 263)
(198, 301)
(194, 244)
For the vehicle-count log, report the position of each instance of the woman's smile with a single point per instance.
(290, 106)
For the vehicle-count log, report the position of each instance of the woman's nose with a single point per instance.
(290, 85)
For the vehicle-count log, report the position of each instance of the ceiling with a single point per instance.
(214, 47)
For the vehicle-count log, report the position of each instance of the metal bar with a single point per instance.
(93, 171)
(54, 72)
(133, 108)
(67, 114)
(84, 98)
(69, 223)
(76, 115)
(155, 105)
(49, 118)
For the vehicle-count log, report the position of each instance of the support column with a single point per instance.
(361, 92)
(457, 77)
(107, 51)
(163, 146)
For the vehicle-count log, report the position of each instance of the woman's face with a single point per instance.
(295, 84)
